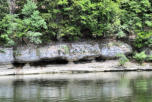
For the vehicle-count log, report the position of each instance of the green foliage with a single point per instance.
(140, 57)
(149, 58)
(33, 21)
(72, 19)
(137, 14)
(122, 59)
(15, 30)
(143, 39)
(3, 8)
(11, 28)
(29, 8)
(75, 19)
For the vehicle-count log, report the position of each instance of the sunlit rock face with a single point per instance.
(26, 54)
(51, 52)
(83, 50)
(72, 51)
(110, 50)
(6, 57)
(67, 51)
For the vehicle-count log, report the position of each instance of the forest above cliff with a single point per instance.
(43, 21)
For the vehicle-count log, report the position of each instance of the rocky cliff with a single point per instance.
(70, 52)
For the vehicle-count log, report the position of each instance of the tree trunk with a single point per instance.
(12, 6)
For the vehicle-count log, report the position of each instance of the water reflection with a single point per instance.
(97, 87)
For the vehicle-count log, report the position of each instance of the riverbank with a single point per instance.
(106, 66)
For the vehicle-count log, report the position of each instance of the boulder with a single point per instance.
(111, 49)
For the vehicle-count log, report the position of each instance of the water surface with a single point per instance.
(95, 87)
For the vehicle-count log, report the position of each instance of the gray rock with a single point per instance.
(6, 55)
(26, 54)
(110, 50)
(71, 51)
(148, 51)
(51, 52)
(67, 51)
(83, 50)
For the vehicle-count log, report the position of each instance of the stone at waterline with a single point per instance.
(110, 50)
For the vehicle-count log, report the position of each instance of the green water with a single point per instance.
(97, 87)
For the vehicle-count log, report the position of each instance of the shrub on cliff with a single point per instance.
(28, 29)
(140, 57)
(72, 19)
(137, 15)
(122, 59)
(143, 39)
(4, 9)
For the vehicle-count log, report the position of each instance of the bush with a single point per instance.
(4, 9)
(149, 58)
(143, 39)
(28, 29)
(137, 15)
(73, 19)
(122, 59)
(11, 29)
(140, 57)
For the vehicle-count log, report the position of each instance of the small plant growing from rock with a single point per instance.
(122, 59)
(140, 57)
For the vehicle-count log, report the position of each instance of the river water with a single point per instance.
(90, 87)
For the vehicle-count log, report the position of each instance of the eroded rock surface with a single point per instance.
(6, 55)
(66, 51)
(110, 50)
(6, 58)
(72, 51)
(51, 52)
(26, 54)
(83, 50)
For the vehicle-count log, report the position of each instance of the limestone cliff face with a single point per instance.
(66, 51)
(6, 57)
(72, 51)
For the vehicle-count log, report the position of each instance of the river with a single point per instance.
(88, 87)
